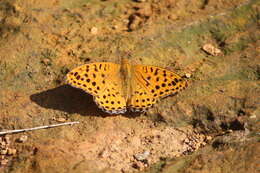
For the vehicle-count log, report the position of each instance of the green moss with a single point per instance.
(155, 168)
(171, 165)
(219, 29)
(48, 54)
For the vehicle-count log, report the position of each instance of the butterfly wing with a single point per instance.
(101, 80)
(152, 84)
(140, 98)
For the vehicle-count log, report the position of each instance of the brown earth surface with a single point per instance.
(212, 126)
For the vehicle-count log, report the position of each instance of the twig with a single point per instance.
(37, 128)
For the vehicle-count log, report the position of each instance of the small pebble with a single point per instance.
(22, 139)
(46, 61)
(3, 152)
(94, 30)
(173, 17)
(140, 0)
(104, 154)
(210, 49)
(60, 119)
(208, 138)
(142, 156)
(134, 22)
(188, 75)
(253, 116)
(115, 27)
(178, 155)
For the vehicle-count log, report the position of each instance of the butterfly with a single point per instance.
(119, 87)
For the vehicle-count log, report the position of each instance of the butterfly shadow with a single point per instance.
(68, 99)
(71, 100)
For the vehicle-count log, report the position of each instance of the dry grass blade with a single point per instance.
(36, 128)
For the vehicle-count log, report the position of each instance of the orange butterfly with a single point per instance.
(118, 87)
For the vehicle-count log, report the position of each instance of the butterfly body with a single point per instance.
(118, 87)
(125, 75)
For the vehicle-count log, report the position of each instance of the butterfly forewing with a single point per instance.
(159, 82)
(103, 82)
(91, 77)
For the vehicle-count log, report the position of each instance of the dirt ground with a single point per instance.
(212, 126)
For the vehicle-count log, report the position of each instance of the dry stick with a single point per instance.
(37, 128)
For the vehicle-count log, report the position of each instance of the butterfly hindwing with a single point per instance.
(103, 82)
(111, 100)
(140, 99)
